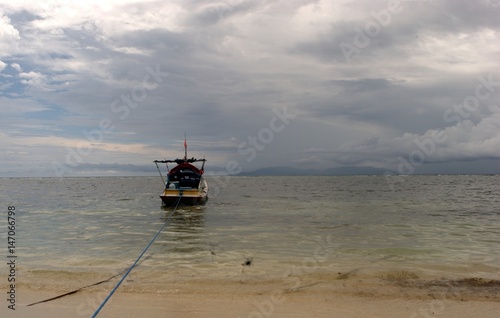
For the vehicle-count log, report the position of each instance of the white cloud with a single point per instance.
(17, 107)
(86, 144)
(9, 36)
(461, 142)
(17, 67)
(467, 140)
(35, 79)
(133, 51)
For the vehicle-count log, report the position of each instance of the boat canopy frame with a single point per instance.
(181, 163)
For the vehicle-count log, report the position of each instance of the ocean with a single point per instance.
(74, 231)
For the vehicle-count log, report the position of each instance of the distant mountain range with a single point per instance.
(339, 171)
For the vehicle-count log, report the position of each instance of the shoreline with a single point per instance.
(319, 294)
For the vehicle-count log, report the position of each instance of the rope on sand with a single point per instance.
(74, 291)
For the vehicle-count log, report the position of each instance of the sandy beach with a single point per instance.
(400, 294)
(149, 305)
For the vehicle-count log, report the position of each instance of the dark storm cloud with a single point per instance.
(219, 71)
(379, 30)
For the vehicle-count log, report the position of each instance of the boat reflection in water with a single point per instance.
(187, 219)
(186, 233)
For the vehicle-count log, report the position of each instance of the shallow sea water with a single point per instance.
(432, 226)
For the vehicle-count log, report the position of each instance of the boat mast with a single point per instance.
(185, 148)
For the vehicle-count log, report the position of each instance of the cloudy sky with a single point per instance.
(106, 87)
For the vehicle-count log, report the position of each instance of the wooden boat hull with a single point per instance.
(187, 197)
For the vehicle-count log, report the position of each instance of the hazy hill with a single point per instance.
(339, 171)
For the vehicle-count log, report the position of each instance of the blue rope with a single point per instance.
(136, 261)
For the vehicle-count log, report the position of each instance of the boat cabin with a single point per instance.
(184, 176)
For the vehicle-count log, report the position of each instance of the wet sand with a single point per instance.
(319, 294)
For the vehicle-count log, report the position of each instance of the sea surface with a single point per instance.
(430, 226)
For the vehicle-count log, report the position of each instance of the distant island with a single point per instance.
(339, 171)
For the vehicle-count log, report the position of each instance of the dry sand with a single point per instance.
(320, 295)
(147, 305)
